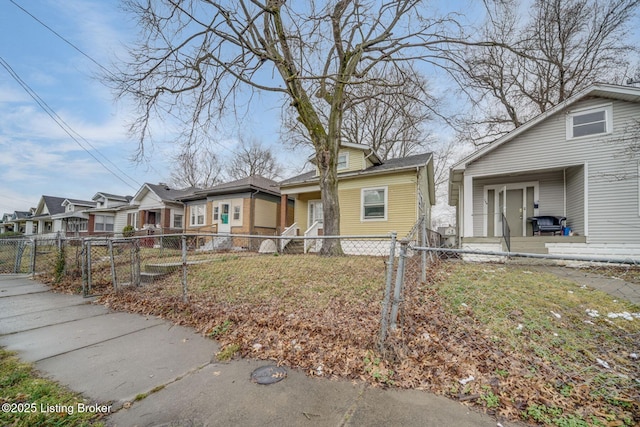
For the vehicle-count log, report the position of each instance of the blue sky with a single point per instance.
(38, 157)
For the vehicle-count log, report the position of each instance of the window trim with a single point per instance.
(103, 223)
(608, 120)
(363, 218)
(310, 220)
(236, 215)
(175, 216)
(346, 161)
(194, 214)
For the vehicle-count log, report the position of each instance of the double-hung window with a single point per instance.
(343, 161)
(590, 121)
(374, 204)
(103, 223)
(197, 214)
(177, 221)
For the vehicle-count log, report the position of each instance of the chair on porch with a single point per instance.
(547, 224)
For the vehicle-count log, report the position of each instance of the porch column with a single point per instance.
(467, 206)
(284, 205)
(142, 218)
(166, 218)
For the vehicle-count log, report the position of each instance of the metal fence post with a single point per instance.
(135, 262)
(423, 256)
(113, 265)
(384, 320)
(184, 268)
(33, 257)
(19, 247)
(83, 268)
(88, 243)
(397, 292)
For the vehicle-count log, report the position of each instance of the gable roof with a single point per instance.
(400, 163)
(52, 204)
(250, 183)
(164, 192)
(109, 196)
(77, 202)
(607, 91)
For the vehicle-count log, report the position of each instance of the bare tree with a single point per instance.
(196, 56)
(562, 48)
(389, 117)
(252, 158)
(196, 167)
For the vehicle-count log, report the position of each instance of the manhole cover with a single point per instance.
(268, 374)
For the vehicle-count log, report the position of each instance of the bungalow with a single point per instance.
(376, 197)
(156, 208)
(574, 161)
(250, 205)
(18, 220)
(105, 216)
(74, 219)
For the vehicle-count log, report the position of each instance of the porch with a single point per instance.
(508, 201)
(527, 244)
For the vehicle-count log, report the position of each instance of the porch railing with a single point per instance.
(312, 232)
(290, 232)
(506, 233)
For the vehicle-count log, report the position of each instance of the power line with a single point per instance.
(58, 120)
(60, 36)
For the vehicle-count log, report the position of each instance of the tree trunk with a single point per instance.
(329, 194)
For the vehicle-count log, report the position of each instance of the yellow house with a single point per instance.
(376, 197)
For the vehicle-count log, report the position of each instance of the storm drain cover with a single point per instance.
(269, 374)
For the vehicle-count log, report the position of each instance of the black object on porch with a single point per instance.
(547, 224)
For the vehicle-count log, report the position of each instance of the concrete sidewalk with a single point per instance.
(112, 358)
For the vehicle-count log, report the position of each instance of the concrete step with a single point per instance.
(146, 277)
(162, 268)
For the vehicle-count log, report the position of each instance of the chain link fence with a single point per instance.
(16, 255)
(543, 338)
(536, 337)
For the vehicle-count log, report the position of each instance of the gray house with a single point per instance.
(574, 161)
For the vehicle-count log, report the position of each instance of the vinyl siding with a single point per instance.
(612, 175)
(401, 204)
(575, 199)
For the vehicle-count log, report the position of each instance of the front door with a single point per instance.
(511, 205)
(514, 211)
(223, 225)
(315, 213)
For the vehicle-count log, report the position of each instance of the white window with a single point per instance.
(103, 223)
(197, 214)
(177, 220)
(132, 220)
(591, 121)
(374, 203)
(216, 212)
(343, 161)
(236, 213)
(315, 212)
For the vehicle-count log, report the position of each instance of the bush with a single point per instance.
(128, 231)
(10, 234)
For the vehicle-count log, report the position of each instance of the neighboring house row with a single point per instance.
(376, 198)
(575, 161)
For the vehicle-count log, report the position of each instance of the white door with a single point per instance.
(315, 213)
(224, 225)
